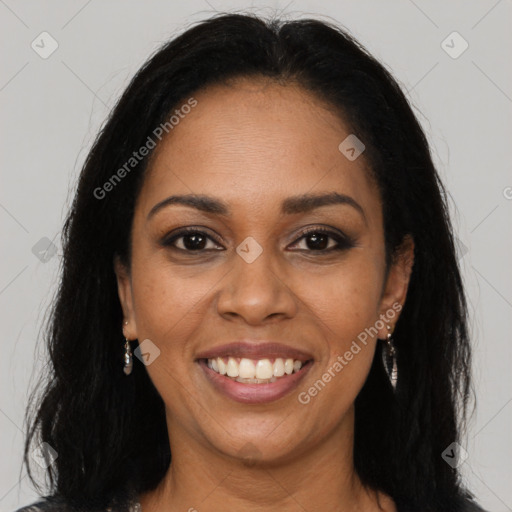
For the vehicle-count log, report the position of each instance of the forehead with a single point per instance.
(255, 142)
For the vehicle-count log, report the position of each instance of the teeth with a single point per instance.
(278, 367)
(256, 381)
(231, 368)
(222, 366)
(264, 369)
(254, 371)
(246, 369)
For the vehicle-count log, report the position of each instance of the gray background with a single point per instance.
(52, 108)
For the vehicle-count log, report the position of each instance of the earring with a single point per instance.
(128, 360)
(389, 359)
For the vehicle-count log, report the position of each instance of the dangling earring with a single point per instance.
(128, 360)
(389, 359)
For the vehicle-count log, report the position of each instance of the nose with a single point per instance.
(256, 292)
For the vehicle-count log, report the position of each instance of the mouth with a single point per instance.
(254, 373)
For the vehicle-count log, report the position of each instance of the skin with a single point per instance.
(253, 143)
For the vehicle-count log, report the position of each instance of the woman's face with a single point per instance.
(248, 283)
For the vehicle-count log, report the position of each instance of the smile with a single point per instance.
(253, 391)
(254, 371)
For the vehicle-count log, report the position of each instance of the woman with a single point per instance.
(260, 305)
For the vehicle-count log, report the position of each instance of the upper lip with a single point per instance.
(255, 350)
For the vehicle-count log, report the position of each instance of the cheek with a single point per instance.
(345, 298)
(168, 306)
(345, 304)
(169, 310)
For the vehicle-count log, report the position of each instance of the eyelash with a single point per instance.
(344, 242)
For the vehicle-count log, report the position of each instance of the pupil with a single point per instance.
(194, 241)
(317, 245)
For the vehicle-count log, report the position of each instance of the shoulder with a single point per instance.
(47, 504)
(465, 505)
(470, 505)
(461, 504)
(54, 504)
(42, 505)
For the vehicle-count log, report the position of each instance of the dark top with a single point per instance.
(44, 505)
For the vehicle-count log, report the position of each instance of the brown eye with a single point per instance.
(190, 240)
(324, 241)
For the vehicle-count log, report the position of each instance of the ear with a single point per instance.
(397, 283)
(124, 290)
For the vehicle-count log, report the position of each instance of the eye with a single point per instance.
(190, 240)
(317, 240)
(320, 240)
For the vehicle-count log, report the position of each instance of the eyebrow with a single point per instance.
(292, 205)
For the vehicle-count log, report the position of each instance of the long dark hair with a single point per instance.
(109, 431)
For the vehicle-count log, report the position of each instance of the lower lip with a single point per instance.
(255, 393)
